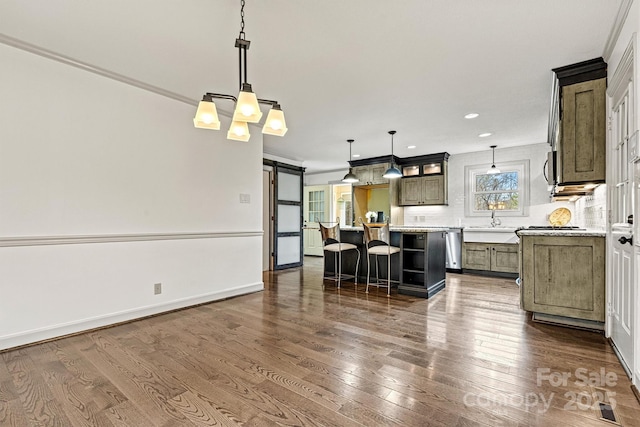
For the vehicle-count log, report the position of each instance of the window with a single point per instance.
(316, 206)
(505, 192)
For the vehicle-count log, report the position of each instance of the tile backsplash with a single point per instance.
(591, 211)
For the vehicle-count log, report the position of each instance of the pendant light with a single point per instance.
(247, 109)
(350, 177)
(393, 172)
(493, 169)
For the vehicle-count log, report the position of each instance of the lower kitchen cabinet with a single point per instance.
(564, 276)
(490, 257)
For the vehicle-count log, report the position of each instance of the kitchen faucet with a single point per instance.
(494, 221)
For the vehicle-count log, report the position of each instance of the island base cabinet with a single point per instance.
(564, 276)
(423, 258)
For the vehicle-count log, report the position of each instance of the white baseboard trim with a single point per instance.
(61, 330)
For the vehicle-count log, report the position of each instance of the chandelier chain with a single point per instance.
(242, 35)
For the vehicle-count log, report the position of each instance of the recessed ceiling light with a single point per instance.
(484, 135)
(356, 155)
(471, 116)
(411, 147)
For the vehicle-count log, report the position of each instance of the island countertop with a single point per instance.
(404, 228)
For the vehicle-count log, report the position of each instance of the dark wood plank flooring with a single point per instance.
(304, 353)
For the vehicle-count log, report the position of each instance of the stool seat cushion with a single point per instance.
(383, 250)
(339, 247)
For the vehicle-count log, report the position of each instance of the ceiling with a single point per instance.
(342, 69)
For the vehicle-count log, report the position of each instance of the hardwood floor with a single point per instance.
(301, 354)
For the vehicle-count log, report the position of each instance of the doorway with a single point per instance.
(267, 218)
(621, 181)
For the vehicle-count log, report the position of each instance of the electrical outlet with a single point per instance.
(157, 288)
(245, 198)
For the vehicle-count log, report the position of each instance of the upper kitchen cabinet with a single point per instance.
(370, 171)
(371, 174)
(577, 130)
(424, 180)
(424, 190)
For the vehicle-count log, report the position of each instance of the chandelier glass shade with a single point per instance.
(247, 104)
(238, 131)
(207, 115)
(275, 124)
(247, 108)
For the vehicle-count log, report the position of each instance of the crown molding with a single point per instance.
(621, 17)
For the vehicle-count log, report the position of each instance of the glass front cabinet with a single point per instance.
(424, 180)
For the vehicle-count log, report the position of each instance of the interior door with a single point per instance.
(288, 216)
(316, 208)
(267, 219)
(622, 298)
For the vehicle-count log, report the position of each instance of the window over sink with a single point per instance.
(505, 192)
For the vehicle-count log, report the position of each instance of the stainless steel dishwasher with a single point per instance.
(454, 250)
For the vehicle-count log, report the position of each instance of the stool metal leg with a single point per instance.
(389, 276)
(355, 273)
(368, 271)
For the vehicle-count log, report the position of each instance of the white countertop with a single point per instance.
(562, 233)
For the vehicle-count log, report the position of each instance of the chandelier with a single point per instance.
(247, 109)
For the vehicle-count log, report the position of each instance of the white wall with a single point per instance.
(83, 155)
(453, 214)
(323, 178)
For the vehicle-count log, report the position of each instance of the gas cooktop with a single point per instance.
(551, 227)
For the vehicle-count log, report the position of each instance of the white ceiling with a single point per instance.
(342, 69)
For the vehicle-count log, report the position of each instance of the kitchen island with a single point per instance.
(418, 270)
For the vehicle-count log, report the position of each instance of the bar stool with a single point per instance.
(377, 243)
(331, 242)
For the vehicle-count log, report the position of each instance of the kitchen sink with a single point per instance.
(490, 234)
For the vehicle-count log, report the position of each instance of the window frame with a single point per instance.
(520, 166)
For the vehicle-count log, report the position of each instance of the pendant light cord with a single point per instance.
(241, 36)
(392, 132)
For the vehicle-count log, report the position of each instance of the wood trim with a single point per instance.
(37, 50)
(623, 73)
(113, 238)
(374, 161)
(53, 332)
(616, 29)
(591, 69)
(636, 392)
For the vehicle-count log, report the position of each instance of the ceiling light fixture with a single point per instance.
(247, 108)
(493, 169)
(350, 177)
(471, 116)
(484, 135)
(393, 172)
